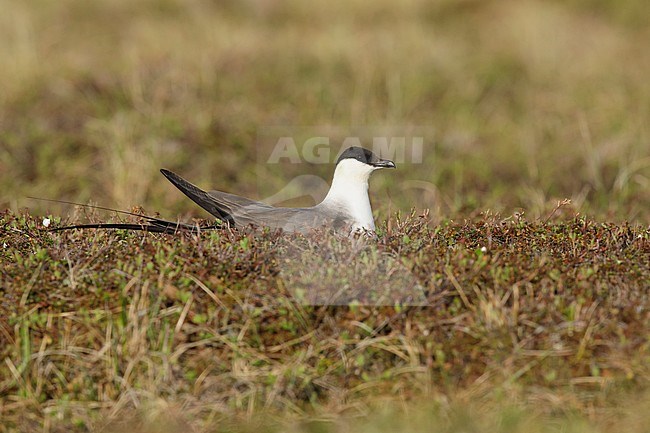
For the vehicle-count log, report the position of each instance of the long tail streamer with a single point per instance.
(152, 224)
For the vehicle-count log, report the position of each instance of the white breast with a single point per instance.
(349, 193)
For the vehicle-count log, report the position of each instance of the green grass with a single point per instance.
(529, 319)
(500, 309)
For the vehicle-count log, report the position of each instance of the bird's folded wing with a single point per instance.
(220, 204)
(290, 219)
(241, 211)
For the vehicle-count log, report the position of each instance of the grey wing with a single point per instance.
(288, 219)
(241, 211)
(222, 205)
(294, 219)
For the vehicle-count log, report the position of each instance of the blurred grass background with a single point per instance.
(531, 101)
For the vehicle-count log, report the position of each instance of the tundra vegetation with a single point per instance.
(507, 289)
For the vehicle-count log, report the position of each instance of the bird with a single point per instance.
(345, 208)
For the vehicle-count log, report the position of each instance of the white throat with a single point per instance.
(349, 192)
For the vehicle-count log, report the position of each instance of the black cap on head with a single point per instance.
(358, 153)
(365, 156)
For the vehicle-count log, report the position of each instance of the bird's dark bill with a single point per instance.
(383, 163)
